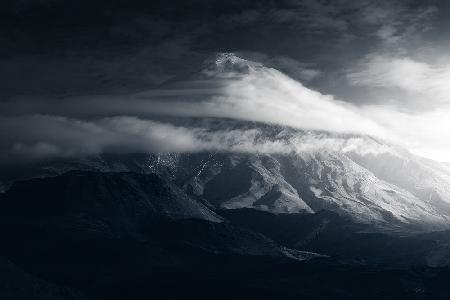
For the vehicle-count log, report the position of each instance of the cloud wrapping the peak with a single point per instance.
(228, 88)
(267, 95)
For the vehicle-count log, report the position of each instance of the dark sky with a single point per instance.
(58, 47)
(367, 53)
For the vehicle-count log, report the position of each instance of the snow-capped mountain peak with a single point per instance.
(228, 65)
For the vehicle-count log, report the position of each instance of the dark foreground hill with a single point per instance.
(88, 235)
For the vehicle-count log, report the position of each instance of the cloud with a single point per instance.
(228, 88)
(300, 71)
(124, 46)
(267, 95)
(426, 134)
(417, 114)
(396, 21)
(41, 137)
(136, 59)
(418, 80)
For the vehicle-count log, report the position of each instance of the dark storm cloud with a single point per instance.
(57, 47)
(56, 56)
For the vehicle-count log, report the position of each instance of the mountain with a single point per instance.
(258, 211)
(368, 180)
(108, 198)
(255, 163)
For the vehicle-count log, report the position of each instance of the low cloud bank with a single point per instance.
(40, 137)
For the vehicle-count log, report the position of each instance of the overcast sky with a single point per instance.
(103, 72)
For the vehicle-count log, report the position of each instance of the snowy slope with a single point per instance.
(309, 182)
